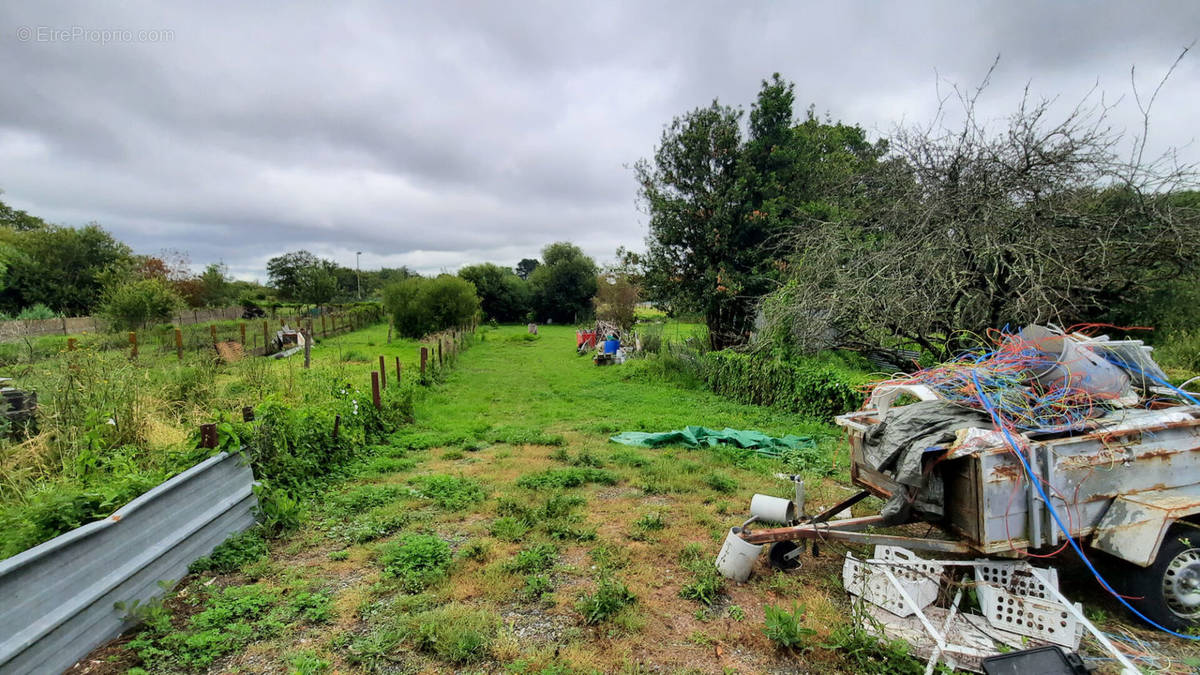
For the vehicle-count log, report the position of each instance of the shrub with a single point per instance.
(419, 305)
(35, 312)
(417, 560)
(784, 628)
(566, 478)
(609, 598)
(652, 338)
(135, 304)
(819, 389)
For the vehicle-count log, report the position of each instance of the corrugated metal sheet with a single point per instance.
(56, 599)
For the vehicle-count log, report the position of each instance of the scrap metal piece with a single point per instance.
(1135, 525)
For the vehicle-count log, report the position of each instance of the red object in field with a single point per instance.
(585, 338)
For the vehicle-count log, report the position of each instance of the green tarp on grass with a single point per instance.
(695, 437)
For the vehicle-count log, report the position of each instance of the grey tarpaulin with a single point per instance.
(897, 443)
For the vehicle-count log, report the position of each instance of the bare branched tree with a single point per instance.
(964, 228)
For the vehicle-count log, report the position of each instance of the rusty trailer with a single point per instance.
(1129, 486)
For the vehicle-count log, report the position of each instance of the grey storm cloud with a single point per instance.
(439, 134)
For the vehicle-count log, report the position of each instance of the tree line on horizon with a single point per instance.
(49, 270)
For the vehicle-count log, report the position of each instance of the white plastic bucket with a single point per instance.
(1072, 364)
(737, 557)
(773, 509)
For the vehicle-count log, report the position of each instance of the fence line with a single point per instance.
(21, 328)
(59, 596)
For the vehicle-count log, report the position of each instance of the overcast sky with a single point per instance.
(441, 133)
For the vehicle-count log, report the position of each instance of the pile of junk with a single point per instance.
(606, 339)
(1047, 440)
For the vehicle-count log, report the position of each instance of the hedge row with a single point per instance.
(818, 390)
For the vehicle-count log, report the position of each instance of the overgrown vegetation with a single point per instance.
(415, 560)
(820, 388)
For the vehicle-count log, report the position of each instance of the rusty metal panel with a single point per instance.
(1086, 474)
(58, 597)
(1134, 526)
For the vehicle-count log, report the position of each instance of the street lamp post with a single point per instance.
(358, 273)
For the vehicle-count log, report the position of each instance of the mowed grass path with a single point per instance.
(545, 526)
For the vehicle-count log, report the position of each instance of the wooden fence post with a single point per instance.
(179, 343)
(382, 372)
(398, 380)
(324, 333)
(212, 330)
(242, 329)
(375, 390)
(307, 348)
(337, 423)
(70, 344)
(389, 339)
(424, 358)
(266, 339)
(208, 436)
(133, 345)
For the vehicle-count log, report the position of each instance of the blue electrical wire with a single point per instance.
(987, 404)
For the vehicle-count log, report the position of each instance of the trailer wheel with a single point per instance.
(779, 555)
(1168, 591)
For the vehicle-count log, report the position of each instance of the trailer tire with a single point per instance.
(778, 555)
(1168, 590)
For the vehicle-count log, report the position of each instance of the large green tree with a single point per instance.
(503, 296)
(215, 288)
(721, 210)
(65, 268)
(285, 272)
(564, 284)
(701, 251)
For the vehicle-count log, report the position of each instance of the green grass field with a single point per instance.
(502, 532)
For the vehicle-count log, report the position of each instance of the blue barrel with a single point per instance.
(611, 346)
